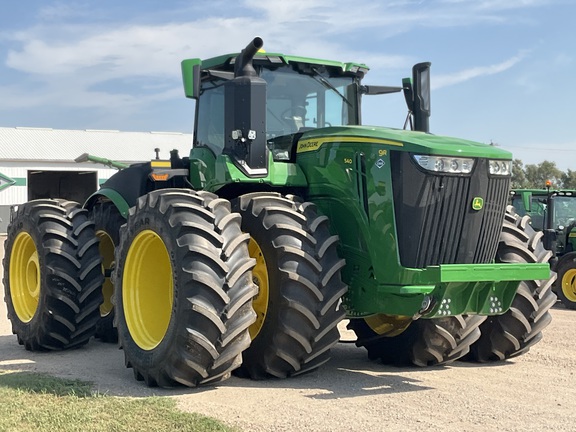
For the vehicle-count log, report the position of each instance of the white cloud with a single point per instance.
(304, 27)
(81, 59)
(475, 72)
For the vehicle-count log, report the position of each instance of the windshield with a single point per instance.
(295, 102)
(537, 211)
(564, 211)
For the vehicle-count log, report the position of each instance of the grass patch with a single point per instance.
(36, 402)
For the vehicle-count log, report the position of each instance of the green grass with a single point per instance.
(35, 402)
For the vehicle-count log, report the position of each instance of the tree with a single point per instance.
(537, 175)
(569, 179)
(518, 177)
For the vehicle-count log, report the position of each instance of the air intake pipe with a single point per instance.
(245, 114)
(243, 65)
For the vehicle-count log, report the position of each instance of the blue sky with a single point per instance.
(503, 71)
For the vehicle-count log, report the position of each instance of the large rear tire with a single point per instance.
(107, 220)
(513, 333)
(183, 289)
(426, 342)
(52, 275)
(298, 274)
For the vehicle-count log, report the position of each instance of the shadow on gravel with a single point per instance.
(477, 365)
(348, 374)
(339, 383)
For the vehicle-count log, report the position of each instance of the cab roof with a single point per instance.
(224, 61)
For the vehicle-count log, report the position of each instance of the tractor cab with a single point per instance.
(551, 211)
(255, 103)
(297, 97)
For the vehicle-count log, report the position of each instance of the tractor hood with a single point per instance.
(411, 141)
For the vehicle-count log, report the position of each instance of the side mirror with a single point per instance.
(549, 239)
(421, 94)
(191, 77)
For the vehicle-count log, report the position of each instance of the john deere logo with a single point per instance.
(477, 203)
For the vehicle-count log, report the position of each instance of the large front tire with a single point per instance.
(52, 275)
(426, 342)
(183, 289)
(513, 333)
(298, 274)
(107, 222)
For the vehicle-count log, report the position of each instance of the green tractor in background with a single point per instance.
(287, 217)
(554, 213)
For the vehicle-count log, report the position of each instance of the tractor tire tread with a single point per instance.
(297, 337)
(69, 297)
(514, 332)
(212, 312)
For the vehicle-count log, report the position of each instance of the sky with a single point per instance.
(503, 71)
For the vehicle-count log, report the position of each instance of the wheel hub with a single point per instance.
(147, 290)
(569, 285)
(260, 279)
(106, 249)
(388, 325)
(25, 278)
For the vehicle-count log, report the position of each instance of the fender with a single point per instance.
(110, 195)
(124, 187)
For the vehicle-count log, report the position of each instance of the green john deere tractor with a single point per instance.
(287, 217)
(554, 213)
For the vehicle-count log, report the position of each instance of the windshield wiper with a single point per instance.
(319, 78)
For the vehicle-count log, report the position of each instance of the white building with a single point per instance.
(40, 163)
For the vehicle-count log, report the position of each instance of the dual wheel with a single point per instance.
(204, 287)
(189, 283)
(52, 275)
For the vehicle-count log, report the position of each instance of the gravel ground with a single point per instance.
(531, 393)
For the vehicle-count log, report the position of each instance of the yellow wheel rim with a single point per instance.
(569, 285)
(24, 277)
(389, 325)
(147, 290)
(260, 278)
(107, 254)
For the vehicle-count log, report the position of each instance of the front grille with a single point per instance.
(494, 209)
(435, 221)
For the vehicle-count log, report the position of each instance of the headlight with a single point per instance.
(445, 164)
(500, 167)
